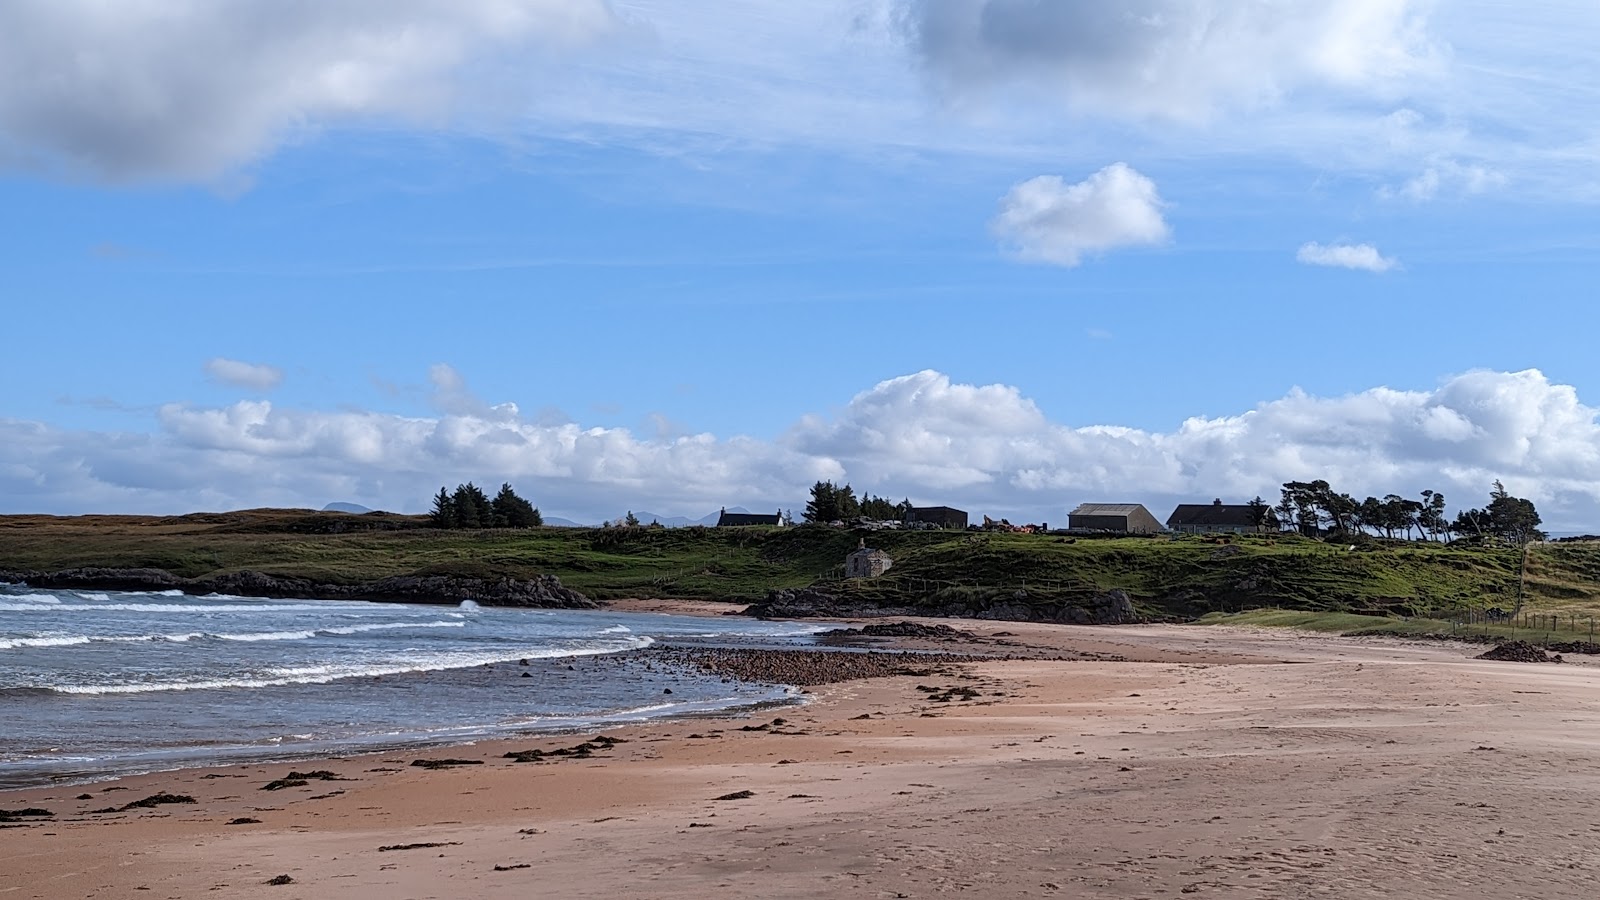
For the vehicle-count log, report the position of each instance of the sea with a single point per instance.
(97, 684)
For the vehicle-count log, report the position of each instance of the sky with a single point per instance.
(1006, 255)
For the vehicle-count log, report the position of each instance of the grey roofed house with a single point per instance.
(1130, 518)
(1218, 517)
(938, 516)
(734, 520)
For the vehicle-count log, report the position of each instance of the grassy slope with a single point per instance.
(1181, 578)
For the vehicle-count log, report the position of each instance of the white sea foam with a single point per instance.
(470, 606)
(64, 641)
(617, 629)
(322, 674)
(249, 637)
(35, 598)
(166, 607)
(172, 593)
(94, 596)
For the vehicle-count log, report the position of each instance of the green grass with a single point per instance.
(1178, 579)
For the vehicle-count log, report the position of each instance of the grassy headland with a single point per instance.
(1181, 578)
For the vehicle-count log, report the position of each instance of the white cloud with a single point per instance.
(1170, 59)
(1345, 256)
(1448, 176)
(192, 88)
(255, 376)
(1047, 220)
(986, 448)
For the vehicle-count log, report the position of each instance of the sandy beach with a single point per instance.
(1153, 761)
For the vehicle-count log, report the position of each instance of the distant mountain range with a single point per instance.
(645, 518)
(346, 508)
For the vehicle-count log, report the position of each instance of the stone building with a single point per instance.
(864, 562)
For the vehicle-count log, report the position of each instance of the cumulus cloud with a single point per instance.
(1364, 257)
(255, 376)
(1168, 59)
(191, 88)
(987, 448)
(1044, 219)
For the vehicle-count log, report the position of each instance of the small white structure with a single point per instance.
(866, 563)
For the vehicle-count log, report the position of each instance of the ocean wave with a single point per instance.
(322, 674)
(63, 641)
(165, 607)
(94, 596)
(246, 637)
(51, 599)
(617, 629)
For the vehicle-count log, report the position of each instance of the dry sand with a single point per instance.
(1214, 763)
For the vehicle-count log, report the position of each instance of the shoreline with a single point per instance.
(1144, 761)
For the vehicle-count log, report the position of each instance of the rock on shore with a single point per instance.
(542, 591)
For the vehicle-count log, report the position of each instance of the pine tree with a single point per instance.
(443, 514)
(511, 511)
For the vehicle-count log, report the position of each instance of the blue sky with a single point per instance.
(658, 255)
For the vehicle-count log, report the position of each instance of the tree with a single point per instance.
(1430, 517)
(511, 511)
(830, 503)
(824, 503)
(1513, 518)
(632, 521)
(1258, 513)
(443, 514)
(469, 514)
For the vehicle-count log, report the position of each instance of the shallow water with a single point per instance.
(101, 683)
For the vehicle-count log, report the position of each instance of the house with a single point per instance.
(738, 520)
(866, 563)
(1128, 518)
(1217, 517)
(938, 516)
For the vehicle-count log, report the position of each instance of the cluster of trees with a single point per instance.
(1312, 507)
(469, 507)
(832, 503)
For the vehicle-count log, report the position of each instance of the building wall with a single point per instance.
(1216, 529)
(944, 518)
(866, 565)
(1137, 522)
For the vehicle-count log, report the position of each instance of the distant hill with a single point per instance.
(558, 522)
(346, 508)
(645, 518)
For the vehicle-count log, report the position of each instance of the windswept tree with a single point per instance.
(631, 521)
(1508, 518)
(1430, 517)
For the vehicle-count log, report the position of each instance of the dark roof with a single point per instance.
(735, 519)
(1229, 514)
(936, 509)
(1106, 509)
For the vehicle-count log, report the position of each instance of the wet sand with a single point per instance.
(1152, 761)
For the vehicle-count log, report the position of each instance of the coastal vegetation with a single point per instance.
(1177, 578)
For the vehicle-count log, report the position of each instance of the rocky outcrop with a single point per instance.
(100, 579)
(542, 591)
(1112, 607)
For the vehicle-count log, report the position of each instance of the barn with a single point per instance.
(1126, 518)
